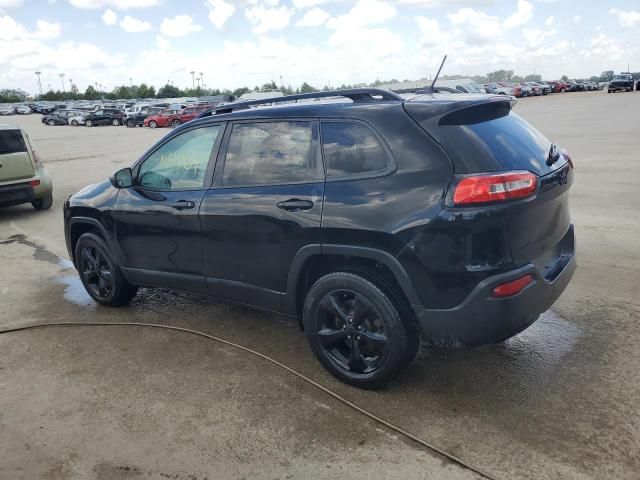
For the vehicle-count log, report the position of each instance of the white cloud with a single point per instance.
(549, 21)
(313, 18)
(47, 29)
(179, 26)
(364, 13)
(118, 4)
(431, 33)
(133, 25)
(109, 17)
(576, 19)
(308, 3)
(219, 12)
(479, 27)
(163, 43)
(536, 37)
(626, 19)
(443, 3)
(265, 19)
(521, 16)
(10, 3)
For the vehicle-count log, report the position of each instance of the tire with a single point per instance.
(115, 122)
(356, 330)
(100, 274)
(74, 123)
(562, 90)
(51, 123)
(43, 203)
(153, 124)
(88, 123)
(131, 124)
(175, 123)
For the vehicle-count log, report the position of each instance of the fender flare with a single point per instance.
(107, 238)
(380, 256)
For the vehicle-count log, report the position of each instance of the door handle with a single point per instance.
(294, 204)
(183, 205)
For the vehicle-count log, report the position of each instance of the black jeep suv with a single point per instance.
(371, 218)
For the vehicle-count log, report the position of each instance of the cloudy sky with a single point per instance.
(249, 42)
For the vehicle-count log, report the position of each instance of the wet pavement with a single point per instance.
(560, 400)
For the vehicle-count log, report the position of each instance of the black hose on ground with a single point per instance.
(301, 376)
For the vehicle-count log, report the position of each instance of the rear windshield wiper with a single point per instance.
(554, 154)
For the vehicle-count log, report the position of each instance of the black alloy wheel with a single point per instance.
(100, 274)
(356, 331)
(352, 333)
(96, 272)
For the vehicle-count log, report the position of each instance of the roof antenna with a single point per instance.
(438, 74)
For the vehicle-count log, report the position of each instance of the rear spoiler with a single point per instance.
(466, 111)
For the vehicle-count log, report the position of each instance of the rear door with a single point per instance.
(266, 204)
(15, 162)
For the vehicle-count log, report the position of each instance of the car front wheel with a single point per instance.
(115, 122)
(361, 334)
(100, 274)
(131, 124)
(153, 124)
(89, 123)
(51, 123)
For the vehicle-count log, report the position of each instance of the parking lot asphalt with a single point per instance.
(561, 400)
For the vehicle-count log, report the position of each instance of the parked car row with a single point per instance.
(528, 89)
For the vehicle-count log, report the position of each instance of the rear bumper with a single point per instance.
(16, 194)
(482, 319)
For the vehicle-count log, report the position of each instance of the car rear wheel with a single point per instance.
(153, 124)
(115, 122)
(131, 124)
(100, 274)
(356, 330)
(74, 123)
(89, 123)
(175, 123)
(51, 123)
(43, 203)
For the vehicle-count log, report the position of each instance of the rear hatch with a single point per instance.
(15, 162)
(483, 136)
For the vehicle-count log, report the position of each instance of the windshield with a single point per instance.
(11, 141)
(622, 77)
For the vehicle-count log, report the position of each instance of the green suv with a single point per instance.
(23, 178)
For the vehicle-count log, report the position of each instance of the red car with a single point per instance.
(163, 119)
(173, 118)
(558, 87)
(516, 88)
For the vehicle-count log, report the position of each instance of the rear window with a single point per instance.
(12, 141)
(351, 149)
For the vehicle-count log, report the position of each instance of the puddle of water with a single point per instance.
(39, 252)
(74, 291)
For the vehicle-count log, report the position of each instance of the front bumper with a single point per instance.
(482, 319)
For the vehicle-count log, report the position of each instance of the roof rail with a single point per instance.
(355, 94)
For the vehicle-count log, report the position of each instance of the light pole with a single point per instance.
(193, 78)
(61, 75)
(202, 78)
(281, 84)
(39, 82)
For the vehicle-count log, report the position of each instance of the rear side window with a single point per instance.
(350, 148)
(11, 141)
(270, 153)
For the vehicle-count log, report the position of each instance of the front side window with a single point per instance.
(270, 153)
(351, 148)
(181, 163)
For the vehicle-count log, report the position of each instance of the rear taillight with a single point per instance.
(34, 183)
(566, 155)
(494, 187)
(512, 288)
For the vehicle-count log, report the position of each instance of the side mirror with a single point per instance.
(122, 178)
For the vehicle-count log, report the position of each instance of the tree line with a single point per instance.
(171, 91)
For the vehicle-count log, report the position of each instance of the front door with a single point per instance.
(265, 205)
(156, 220)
